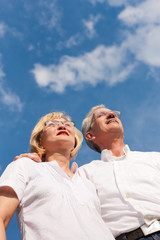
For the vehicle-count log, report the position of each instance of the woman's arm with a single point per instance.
(8, 204)
(2, 230)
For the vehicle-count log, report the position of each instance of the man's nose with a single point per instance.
(111, 115)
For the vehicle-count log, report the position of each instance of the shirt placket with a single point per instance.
(125, 188)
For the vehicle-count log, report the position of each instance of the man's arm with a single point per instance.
(8, 204)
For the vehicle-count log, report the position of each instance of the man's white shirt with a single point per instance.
(128, 188)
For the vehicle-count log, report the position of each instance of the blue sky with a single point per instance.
(71, 55)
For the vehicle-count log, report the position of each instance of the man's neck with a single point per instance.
(116, 147)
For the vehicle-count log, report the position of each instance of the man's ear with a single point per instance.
(90, 136)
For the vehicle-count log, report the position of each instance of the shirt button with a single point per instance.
(127, 195)
(137, 207)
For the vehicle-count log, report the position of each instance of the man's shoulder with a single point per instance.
(92, 164)
(88, 170)
(145, 153)
(150, 156)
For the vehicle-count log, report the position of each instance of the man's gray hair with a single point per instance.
(86, 124)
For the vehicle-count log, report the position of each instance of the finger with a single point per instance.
(16, 157)
(74, 167)
(40, 155)
(20, 156)
(34, 156)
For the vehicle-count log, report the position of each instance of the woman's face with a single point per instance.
(58, 134)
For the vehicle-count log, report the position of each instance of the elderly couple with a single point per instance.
(115, 197)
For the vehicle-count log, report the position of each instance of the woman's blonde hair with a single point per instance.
(36, 134)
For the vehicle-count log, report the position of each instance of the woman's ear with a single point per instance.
(90, 136)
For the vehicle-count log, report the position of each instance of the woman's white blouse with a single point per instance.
(53, 206)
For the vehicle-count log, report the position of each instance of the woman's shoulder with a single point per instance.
(22, 163)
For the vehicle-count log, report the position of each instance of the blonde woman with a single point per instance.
(52, 203)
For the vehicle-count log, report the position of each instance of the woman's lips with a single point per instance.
(63, 133)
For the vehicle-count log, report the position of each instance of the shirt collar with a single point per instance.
(106, 155)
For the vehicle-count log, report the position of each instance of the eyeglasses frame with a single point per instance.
(114, 111)
(45, 124)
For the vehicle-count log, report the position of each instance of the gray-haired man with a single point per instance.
(127, 182)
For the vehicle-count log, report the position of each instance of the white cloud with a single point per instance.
(2, 74)
(3, 29)
(30, 47)
(94, 2)
(10, 99)
(144, 36)
(115, 3)
(110, 64)
(102, 64)
(49, 15)
(144, 44)
(90, 25)
(147, 12)
(46, 12)
(72, 41)
(154, 74)
(0, 168)
(77, 39)
(7, 97)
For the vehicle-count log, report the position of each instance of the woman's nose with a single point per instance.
(61, 126)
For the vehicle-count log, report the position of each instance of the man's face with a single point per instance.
(105, 121)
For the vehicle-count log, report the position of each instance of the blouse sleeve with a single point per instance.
(16, 176)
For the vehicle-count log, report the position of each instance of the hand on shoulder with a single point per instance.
(34, 156)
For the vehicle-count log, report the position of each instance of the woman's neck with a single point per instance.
(62, 159)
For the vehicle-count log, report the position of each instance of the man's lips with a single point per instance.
(111, 121)
(63, 133)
